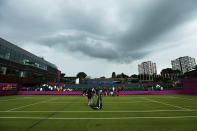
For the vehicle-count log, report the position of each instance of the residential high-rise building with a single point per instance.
(147, 67)
(184, 64)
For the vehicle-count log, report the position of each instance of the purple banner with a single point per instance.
(150, 92)
(50, 92)
(80, 92)
(190, 86)
(4, 93)
(8, 89)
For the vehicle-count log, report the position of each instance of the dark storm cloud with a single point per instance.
(160, 18)
(82, 42)
(93, 46)
(117, 31)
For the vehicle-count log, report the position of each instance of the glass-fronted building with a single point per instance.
(19, 63)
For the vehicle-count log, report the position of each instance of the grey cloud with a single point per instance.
(93, 46)
(94, 36)
(85, 43)
(159, 19)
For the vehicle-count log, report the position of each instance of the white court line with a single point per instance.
(28, 97)
(103, 103)
(102, 118)
(17, 99)
(26, 106)
(65, 102)
(8, 100)
(30, 104)
(166, 104)
(125, 102)
(110, 111)
(184, 98)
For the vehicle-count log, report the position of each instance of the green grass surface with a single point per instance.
(123, 113)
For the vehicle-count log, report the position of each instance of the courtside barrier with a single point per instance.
(50, 92)
(7, 92)
(150, 92)
(8, 89)
(190, 86)
(80, 92)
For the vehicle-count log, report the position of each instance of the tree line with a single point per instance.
(167, 75)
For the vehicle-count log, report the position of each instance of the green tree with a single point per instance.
(122, 75)
(113, 75)
(170, 71)
(81, 75)
(102, 77)
(158, 79)
(63, 74)
(134, 76)
(167, 80)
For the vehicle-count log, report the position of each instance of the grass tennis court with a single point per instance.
(126, 113)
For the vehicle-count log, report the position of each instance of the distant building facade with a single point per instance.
(184, 64)
(148, 68)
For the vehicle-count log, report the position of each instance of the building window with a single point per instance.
(7, 56)
(3, 70)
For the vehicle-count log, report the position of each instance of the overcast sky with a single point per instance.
(99, 37)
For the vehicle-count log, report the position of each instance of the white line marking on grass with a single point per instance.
(25, 106)
(109, 111)
(184, 98)
(7, 100)
(102, 118)
(66, 102)
(125, 102)
(166, 104)
(105, 102)
(30, 104)
(28, 97)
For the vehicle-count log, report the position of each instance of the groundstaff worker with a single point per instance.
(98, 105)
(89, 94)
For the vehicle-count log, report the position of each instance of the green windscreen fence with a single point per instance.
(82, 87)
(127, 87)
